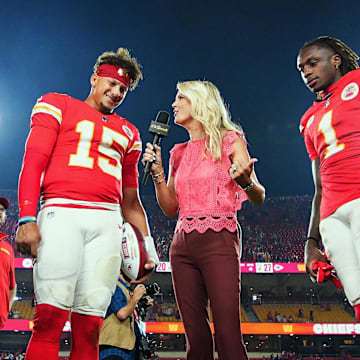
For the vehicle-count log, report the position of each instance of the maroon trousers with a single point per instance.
(206, 267)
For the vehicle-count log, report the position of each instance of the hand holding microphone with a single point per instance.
(152, 154)
(159, 128)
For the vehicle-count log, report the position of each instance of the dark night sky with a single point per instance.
(248, 49)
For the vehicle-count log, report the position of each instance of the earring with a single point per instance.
(337, 66)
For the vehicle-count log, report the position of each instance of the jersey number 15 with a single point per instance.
(82, 157)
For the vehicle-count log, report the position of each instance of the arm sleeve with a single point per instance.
(303, 127)
(38, 148)
(229, 140)
(310, 147)
(12, 283)
(130, 172)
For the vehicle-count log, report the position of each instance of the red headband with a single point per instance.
(115, 72)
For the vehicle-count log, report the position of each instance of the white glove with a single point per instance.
(150, 249)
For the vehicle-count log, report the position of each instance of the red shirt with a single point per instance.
(331, 129)
(7, 277)
(75, 152)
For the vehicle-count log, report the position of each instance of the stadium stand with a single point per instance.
(290, 313)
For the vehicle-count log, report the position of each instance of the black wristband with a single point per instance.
(26, 222)
(312, 238)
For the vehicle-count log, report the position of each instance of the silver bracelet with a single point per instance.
(157, 175)
(159, 181)
(248, 187)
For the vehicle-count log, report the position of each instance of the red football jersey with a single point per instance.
(331, 129)
(75, 152)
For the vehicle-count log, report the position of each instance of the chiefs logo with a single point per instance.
(350, 91)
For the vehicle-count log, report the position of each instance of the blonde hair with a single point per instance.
(208, 107)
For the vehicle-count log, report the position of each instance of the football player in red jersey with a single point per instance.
(81, 160)
(331, 131)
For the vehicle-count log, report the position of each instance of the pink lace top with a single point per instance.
(208, 198)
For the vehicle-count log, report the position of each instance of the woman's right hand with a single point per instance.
(154, 156)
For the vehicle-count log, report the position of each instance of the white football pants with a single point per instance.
(340, 233)
(78, 258)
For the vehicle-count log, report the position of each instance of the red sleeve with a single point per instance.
(38, 148)
(130, 172)
(12, 283)
(310, 147)
(306, 119)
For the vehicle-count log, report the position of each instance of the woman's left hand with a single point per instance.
(241, 172)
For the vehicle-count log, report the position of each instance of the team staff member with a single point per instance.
(81, 158)
(210, 176)
(331, 130)
(7, 269)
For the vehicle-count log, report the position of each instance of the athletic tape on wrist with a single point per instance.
(150, 249)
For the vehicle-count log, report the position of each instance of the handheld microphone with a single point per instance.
(159, 128)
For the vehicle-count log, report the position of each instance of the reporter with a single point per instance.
(209, 177)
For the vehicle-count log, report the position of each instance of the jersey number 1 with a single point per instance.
(329, 133)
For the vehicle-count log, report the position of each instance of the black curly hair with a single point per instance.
(348, 56)
(122, 58)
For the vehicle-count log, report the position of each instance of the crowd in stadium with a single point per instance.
(20, 356)
(12, 356)
(273, 232)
